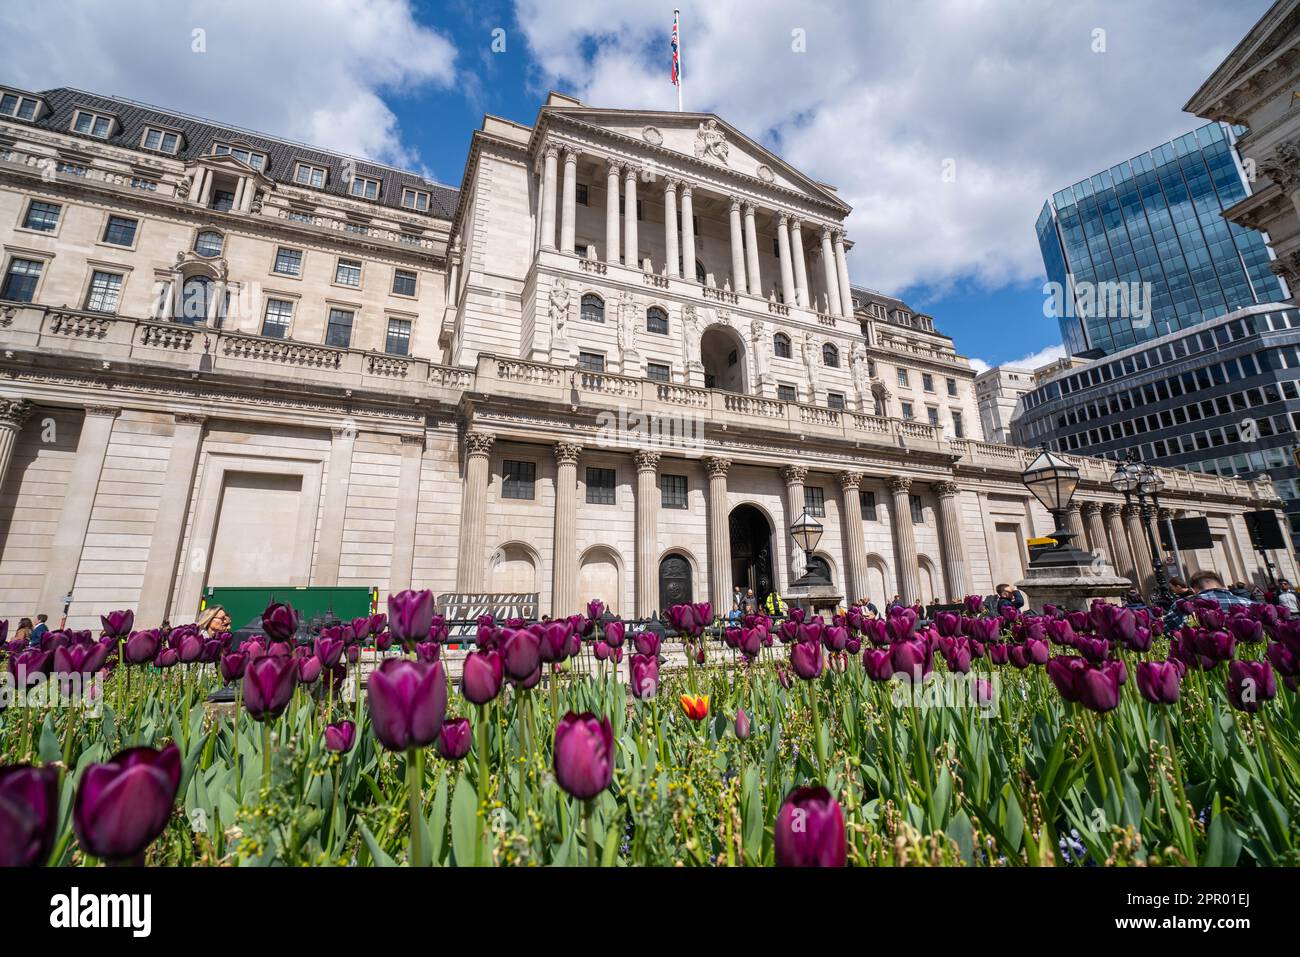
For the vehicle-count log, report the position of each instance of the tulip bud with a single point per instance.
(340, 736)
(482, 676)
(408, 701)
(742, 725)
(1158, 681)
(410, 615)
(279, 622)
(268, 686)
(29, 814)
(809, 830)
(1250, 684)
(584, 755)
(118, 624)
(454, 739)
(122, 805)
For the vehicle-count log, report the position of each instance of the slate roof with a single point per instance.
(201, 134)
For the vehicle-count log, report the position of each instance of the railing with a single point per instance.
(682, 395)
(754, 405)
(281, 350)
(721, 295)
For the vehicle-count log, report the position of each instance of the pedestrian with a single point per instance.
(41, 628)
(1286, 597)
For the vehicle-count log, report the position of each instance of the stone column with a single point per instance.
(670, 227)
(688, 234)
(548, 197)
(832, 274)
(737, 249)
(1121, 555)
(401, 570)
(954, 548)
(842, 270)
(647, 531)
(1074, 522)
(719, 535)
(1096, 531)
(1141, 549)
(800, 265)
(570, 207)
(629, 218)
(564, 562)
(74, 518)
(751, 253)
(13, 416)
(470, 563)
(794, 476)
(783, 250)
(163, 560)
(338, 476)
(611, 213)
(900, 514)
(855, 546)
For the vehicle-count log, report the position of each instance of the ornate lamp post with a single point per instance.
(1052, 480)
(807, 532)
(1137, 478)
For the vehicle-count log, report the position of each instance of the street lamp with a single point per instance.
(1052, 480)
(1138, 478)
(807, 532)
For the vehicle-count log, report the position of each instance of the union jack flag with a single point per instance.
(677, 62)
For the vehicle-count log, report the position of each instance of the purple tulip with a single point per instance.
(741, 726)
(1158, 681)
(268, 686)
(118, 624)
(309, 669)
(361, 628)
(167, 658)
(232, 665)
(122, 805)
(685, 621)
(879, 663)
(1245, 629)
(26, 665)
(454, 739)
(809, 830)
(340, 736)
(647, 643)
(974, 604)
(410, 615)
(643, 674)
(482, 676)
(595, 608)
(279, 622)
(956, 654)
(553, 641)
(521, 653)
(948, 624)
(806, 659)
(187, 642)
(1094, 649)
(1250, 684)
(835, 638)
(328, 650)
(584, 754)
(911, 657)
(614, 633)
(408, 701)
(783, 676)
(1285, 660)
(901, 623)
(1096, 687)
(29, 814)
(79, 660)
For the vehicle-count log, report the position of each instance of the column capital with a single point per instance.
(190, 418)
(570, 155)
(685, 187)
(417, 440)
(947, 489)
(899, 483)
(850, 481)
(1091, 508)
(567, 453)
(550, 151)
(1165, 514)
(479, 443)
(735, 204)
(794, 474)
(612, 167)
(826, 234)
(749, 207)
(671, 184)
(346, 431)
(15, 412)
(717, 467)
(646, 460)
(630, 172)
(783, 219)
(1074, 505)
(1112, 509)
(107, 411)
(1132, 511)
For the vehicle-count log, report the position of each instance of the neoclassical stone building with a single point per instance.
(617, 362)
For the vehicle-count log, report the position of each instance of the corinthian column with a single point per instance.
(783, 251)
(548, 197)
(470, 564)
(1074, 522)
(564, 563)
(688, 234)
(13, 416)
(800, 266)
(842, 271)
(670, 226)
(630, 244)
(569, 212)
(751, 252)
(1096, 530)
(1141, 549)
(719, 535)
(794, 476)
(954, 549)
(832, 274)
(1121, 556)
(900, 516)
(611, 213)
(647, 530)
(855, 546)
(737, 249)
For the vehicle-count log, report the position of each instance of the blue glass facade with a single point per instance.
(1155, 219)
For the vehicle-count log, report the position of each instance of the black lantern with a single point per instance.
(1052, 480)
(807, 532)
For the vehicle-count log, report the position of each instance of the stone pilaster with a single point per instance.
(855, 546)
(794, 476)
(163, 560)
(647, 531)
(470, 560)
(408, 496)
(13, 416)
(338, 477)
(1121, 555)
(719, 535)
(954, 548)
(564, 564)
(900, 515)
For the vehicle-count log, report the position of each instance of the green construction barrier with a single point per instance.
(246, 604)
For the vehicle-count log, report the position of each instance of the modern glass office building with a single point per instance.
(1142, 250)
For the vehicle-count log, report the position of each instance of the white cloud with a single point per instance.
(1035, 360)
(311, 71)
(1011, 92)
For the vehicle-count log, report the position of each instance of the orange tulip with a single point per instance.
(696, 706)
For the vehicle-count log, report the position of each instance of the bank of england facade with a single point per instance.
(617, 362)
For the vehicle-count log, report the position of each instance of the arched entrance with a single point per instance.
(751, 551)
(722, 353)
(675, 585)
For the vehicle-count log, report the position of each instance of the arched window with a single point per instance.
(593, 308)
(208, 243)
(830, 356)
(781, 345)
(656, 320)
(195, 304)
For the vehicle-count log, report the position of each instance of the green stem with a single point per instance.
(414, 779)
(266, 756)
(483, 718)
(817, 731)
(591, 835)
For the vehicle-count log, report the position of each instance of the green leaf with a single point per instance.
(438, 818)
(609, 853)
(381, 859)
(49, 749)
(1223, 845)
(464, 822)
(959, 829)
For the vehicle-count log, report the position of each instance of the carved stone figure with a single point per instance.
(861, 386)
(561, 301)
(692, 332)
(757, 330)
(710, 140)
(810, 348)
(626, 323)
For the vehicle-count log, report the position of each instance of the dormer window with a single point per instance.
(246, 156)
(98, 125)
(364, 188)
(305, 174)
(416, 199)
(161, 141)
(19, 107)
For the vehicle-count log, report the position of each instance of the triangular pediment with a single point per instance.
(705, 138)
(1273, 34)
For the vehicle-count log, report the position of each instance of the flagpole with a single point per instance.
(677, 22)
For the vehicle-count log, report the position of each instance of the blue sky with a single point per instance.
(945, 123)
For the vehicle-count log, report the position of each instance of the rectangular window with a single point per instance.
(404, 282)
(223, 200)
(814, 500)
(958, 428)
(288, 262)
(656, 321)
(902, 377)
(518, 479)
(313, 176)
(835, 400)
(398, 341)
(43, 217)
(279, 313)
(591, 361)
(364, 187)
(952, 386)
(658, 372)
(20, 107)
(600, 486)
(927, 382)
(416, 199)
(92, 124)
(907, 410)
(786, 393)
(868, 502)
(672, 491)
(120, 231)
(918, 513)
(247, 157)
(338, 332)
(348, 273)
(582, 196)
(932, 414)
(105, 290)
(161, 141)
(20, 280)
